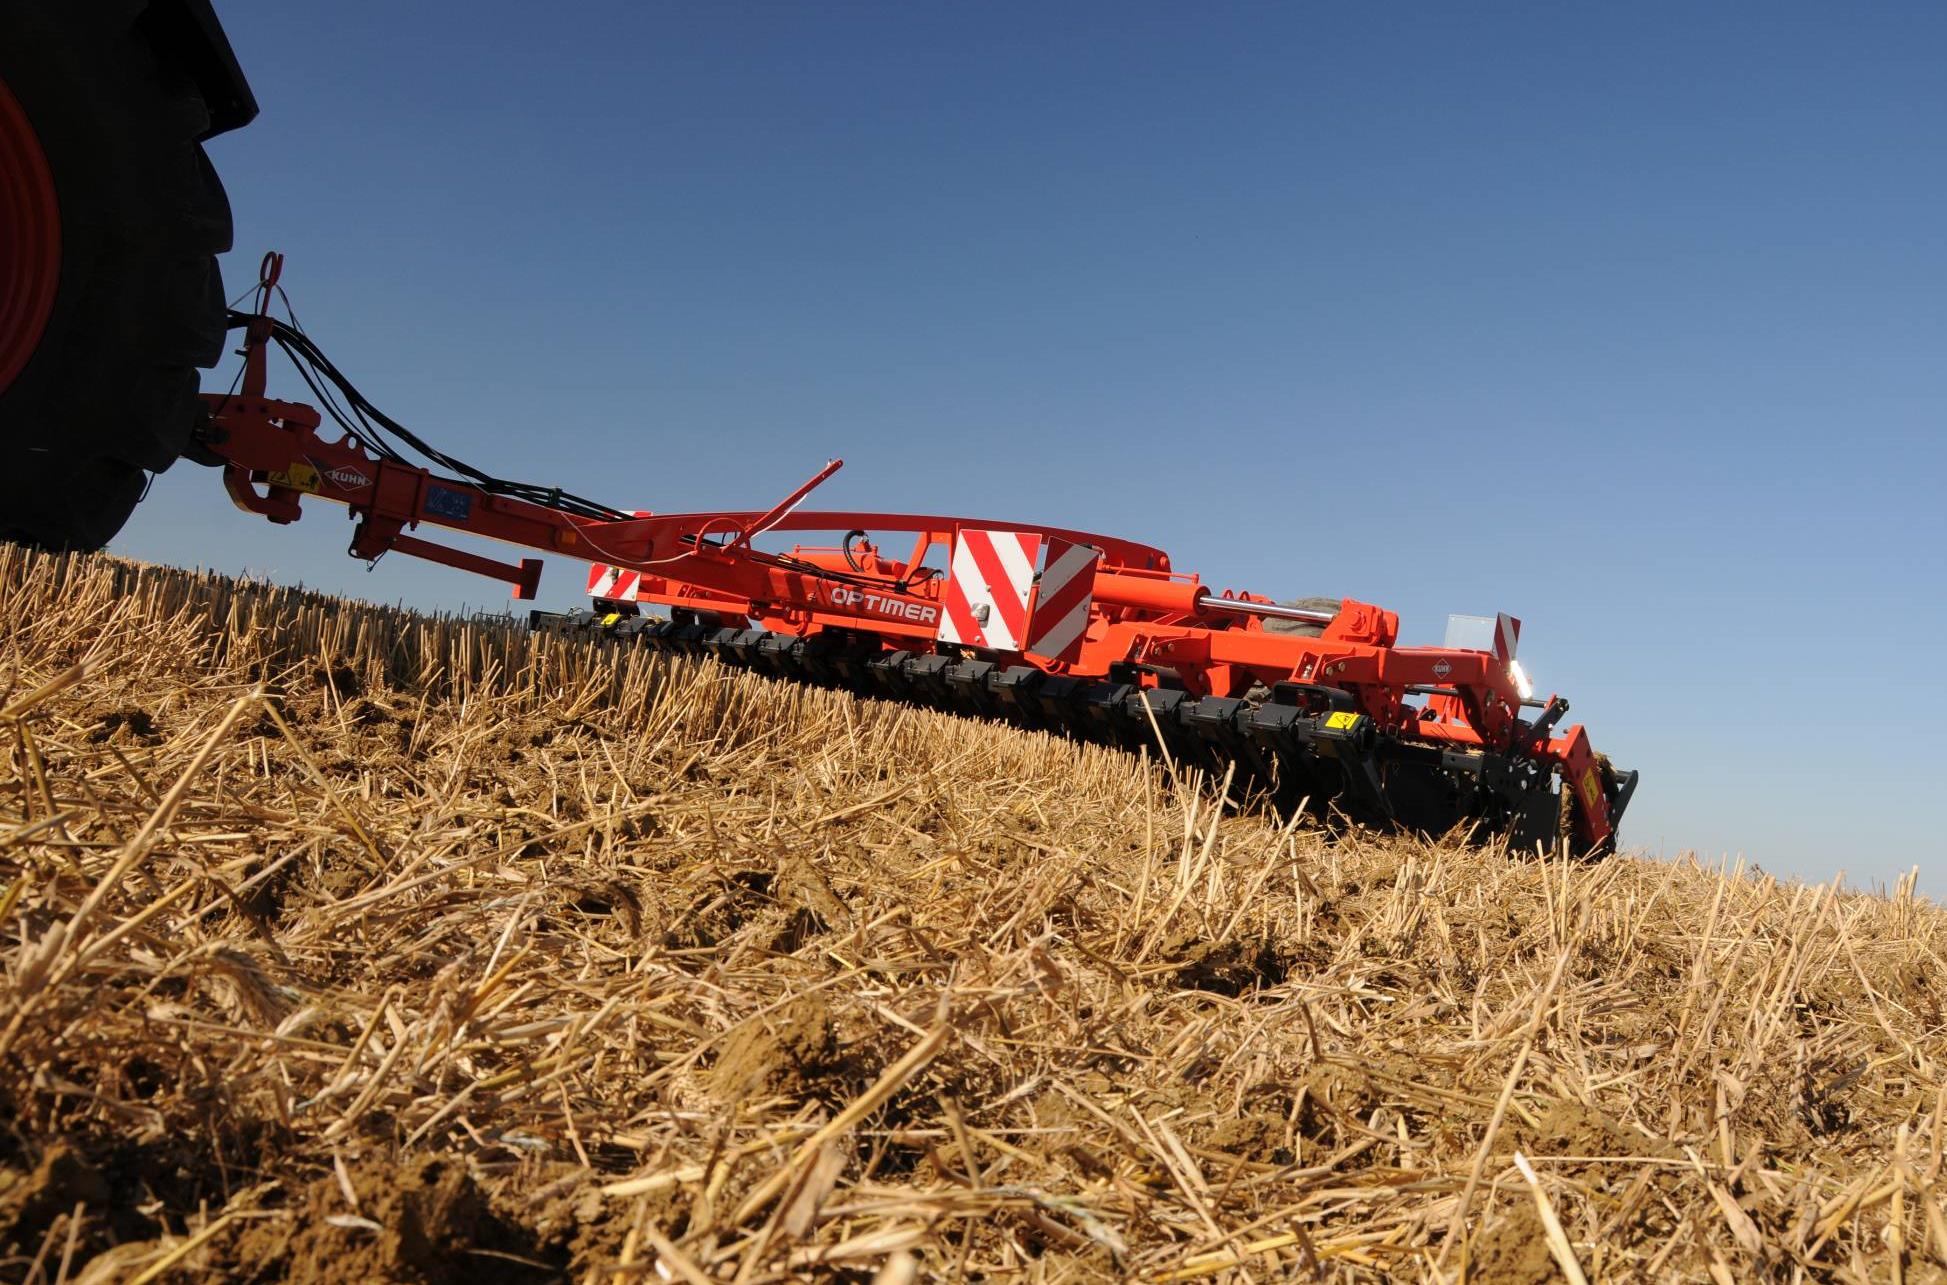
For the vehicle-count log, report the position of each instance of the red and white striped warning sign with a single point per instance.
(987, 588)
(995, 599)
(1062, 598)
(1507, 635)
(614, 583)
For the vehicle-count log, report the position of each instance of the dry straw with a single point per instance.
(342, 942)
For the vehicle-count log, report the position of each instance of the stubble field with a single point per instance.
(342, 943)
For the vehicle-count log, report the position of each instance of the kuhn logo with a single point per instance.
(1442, 668)
(847, 598)
(349, 478)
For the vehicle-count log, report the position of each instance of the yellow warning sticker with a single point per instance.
(1591, 788)
(299, 477)
(1341, 719)
(611, 617)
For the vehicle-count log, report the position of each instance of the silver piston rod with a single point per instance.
(1271, 609)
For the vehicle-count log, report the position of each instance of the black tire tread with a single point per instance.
(111, 394)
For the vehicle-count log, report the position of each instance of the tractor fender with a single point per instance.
(188, 35)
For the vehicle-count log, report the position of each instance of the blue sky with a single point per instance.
(1629, 321)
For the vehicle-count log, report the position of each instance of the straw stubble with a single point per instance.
(346, 943)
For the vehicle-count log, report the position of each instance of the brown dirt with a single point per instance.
(1260, 1131)
(1336, 1101)
(586, 964)
(1570, 1128)
(1231, 967)
(792, 1051)
(422, 1221)
(1514, 1250)
(61, 1179)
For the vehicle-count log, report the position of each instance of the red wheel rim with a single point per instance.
(30, 238)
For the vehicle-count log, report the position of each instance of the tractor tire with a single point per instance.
(111, 219)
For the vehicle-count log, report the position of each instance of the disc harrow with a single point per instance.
(1284, 746)
(1080, 634)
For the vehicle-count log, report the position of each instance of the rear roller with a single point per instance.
(1292, 749)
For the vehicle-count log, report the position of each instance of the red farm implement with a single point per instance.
(1079, 634)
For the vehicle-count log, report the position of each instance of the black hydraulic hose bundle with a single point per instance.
(369, 425)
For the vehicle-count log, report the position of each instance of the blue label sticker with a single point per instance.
(445, 502)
